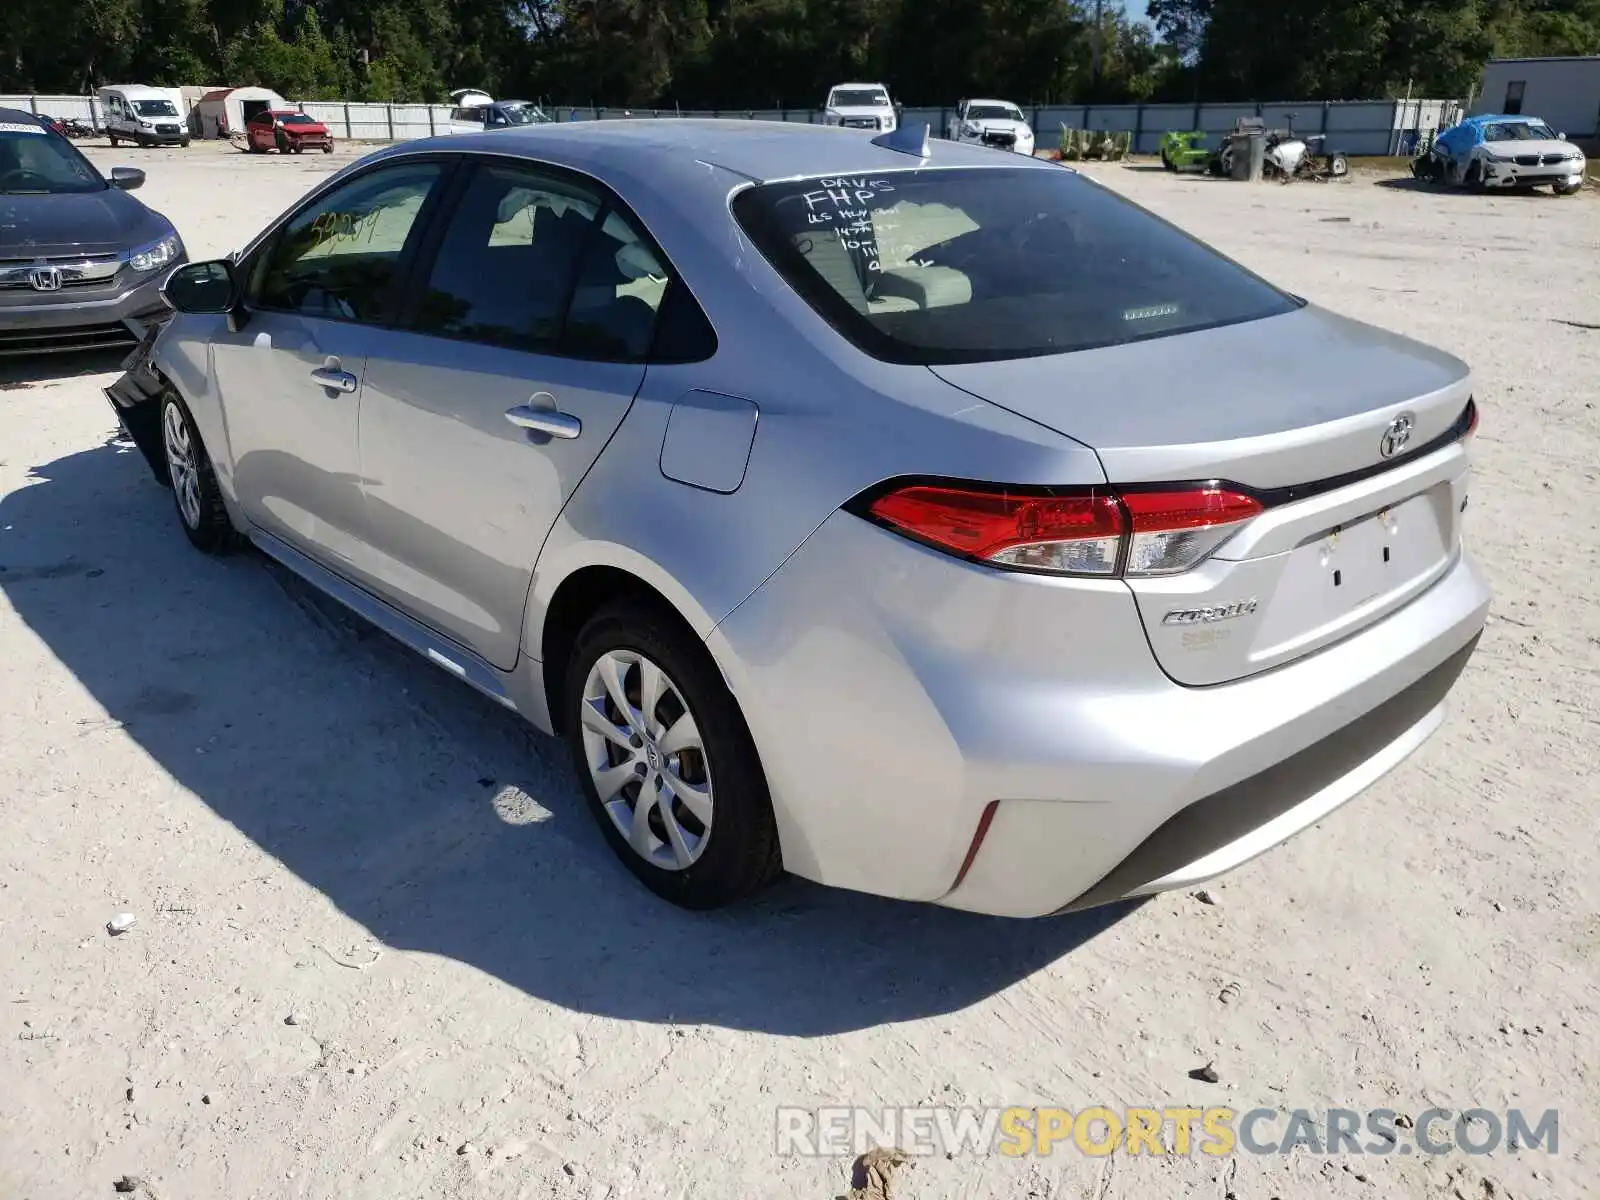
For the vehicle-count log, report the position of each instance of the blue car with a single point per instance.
(1497, 150)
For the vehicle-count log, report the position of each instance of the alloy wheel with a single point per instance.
(647, 760)
(181, 465)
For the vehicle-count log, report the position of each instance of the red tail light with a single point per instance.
(1090, 531)
(1172, 531)
(1078, 533)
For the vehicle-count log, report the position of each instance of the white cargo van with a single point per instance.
(146, 116)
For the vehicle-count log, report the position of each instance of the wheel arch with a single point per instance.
(556, 617)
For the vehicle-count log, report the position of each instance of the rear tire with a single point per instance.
(720, 844)
(327, 149)
(1166, 160)
(113, 139)
(1338, 166)
(201, 510)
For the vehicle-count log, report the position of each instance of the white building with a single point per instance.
(1563, 92)
(225, 110)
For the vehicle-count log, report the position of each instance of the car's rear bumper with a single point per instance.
(34, 325)
(895, 695)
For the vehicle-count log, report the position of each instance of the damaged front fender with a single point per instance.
(136, 399)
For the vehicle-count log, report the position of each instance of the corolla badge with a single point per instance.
(1210, 614)
(1397, 435)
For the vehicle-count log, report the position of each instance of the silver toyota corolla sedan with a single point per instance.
(932, 523)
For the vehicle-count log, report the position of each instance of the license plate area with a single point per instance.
(1350, 575)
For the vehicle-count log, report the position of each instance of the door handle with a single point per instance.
(333, 377)
(545, 420)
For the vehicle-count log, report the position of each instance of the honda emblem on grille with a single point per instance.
(1397, 435)
(45, 279)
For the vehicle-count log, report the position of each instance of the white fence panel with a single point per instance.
(82, 108)
(1354, 126)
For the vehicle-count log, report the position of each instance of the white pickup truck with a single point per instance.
(996, 123)
(860, 106)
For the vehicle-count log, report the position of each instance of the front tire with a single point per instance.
(666, 761)
(113, 138)
(1567, 189)
(1473, 179)
(201, 511)
(1338, 166)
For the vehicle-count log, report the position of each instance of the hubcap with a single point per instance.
(181, 465)
(646, 758)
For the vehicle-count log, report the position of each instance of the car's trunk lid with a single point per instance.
(1307, 412)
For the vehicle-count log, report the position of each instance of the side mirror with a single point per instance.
(1561, 135)
(203, 287)
(127, 178)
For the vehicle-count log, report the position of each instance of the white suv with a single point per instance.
(860, 106)
(995, 123)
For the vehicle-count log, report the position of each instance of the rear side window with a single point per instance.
(981, 264)
(535, 262)
(507, 261)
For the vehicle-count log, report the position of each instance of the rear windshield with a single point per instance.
(979, 264)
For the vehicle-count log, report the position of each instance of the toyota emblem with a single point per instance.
(45, 279)
(1397, 435)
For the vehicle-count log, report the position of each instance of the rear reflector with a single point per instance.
(1089, 531)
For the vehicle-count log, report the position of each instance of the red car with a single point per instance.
(287, 131)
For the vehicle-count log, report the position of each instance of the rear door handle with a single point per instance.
(333, 377)
(545, 420)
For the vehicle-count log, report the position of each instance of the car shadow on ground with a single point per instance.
(1408, 183)
(25, 371)
(434, 818)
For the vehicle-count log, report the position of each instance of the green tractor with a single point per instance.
(1183, 151)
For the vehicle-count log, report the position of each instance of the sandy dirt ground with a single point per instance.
(382, 951)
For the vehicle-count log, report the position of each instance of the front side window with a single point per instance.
(537, 263)
(980, 264)
(35, 163)
(338, 258)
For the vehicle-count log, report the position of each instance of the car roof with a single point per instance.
(1502, 118)
(12, 116)
(760, 151)
(837, 86)
(140, 91)
(1007, 103)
